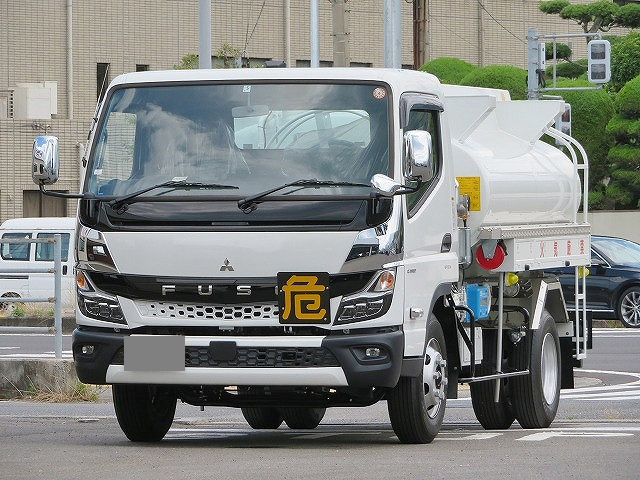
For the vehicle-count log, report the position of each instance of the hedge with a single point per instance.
(504, 77)
(447, 69)
(568, 69)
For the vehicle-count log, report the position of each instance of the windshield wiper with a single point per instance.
(248, 204)
(119, 203)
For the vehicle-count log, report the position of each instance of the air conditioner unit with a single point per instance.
(35, 101)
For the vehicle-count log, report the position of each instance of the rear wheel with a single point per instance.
(535, 397)
(260, 418)
(416, 404)
(492, 415)
(144, 412)
(629, 307)
(302, 418)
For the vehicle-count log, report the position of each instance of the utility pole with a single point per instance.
(204, 33)
(392, 34)
(313, 34)
(340, 34)
(421, 54)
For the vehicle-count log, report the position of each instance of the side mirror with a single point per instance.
(385, 186)
(44, 162)
(418, 156)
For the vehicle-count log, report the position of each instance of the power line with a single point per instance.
(254, 26)
(467, 41)
(498, 22)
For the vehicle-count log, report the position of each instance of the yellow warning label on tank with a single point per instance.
(470, 186)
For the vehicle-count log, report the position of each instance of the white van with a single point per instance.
(32, 256)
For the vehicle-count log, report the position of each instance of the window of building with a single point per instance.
(361, 64)
(102, 79)
(307, 63)
(142, 67)
(35, 204)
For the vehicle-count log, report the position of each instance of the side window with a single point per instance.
(420, 118)
(44, 251)
(16, 251)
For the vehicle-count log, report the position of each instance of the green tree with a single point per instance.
(625, 59)
(596, 16)
(623, 188)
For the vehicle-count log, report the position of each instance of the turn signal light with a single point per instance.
(81, 281)
(386, 282)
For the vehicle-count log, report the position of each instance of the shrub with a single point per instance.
(563, 51)
(591, 110)
(568, 69)
(625, 60)
(447, 69)
(504, 77)
(628, 99)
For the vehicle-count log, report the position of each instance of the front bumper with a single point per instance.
(330, 361)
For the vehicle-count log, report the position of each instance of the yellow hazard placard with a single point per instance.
(470, 186)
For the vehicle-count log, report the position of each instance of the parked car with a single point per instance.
(31, 256)
(613, 283)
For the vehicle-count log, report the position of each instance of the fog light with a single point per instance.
(372, 352)
(88, 349)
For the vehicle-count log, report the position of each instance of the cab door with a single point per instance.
(431, 262)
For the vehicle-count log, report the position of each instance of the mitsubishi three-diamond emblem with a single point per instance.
(226, 266)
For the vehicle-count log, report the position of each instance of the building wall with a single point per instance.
(158, 33)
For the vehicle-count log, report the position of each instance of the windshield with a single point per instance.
(251, 136)
(618, 250)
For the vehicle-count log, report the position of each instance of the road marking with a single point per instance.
(8, 348)
(540, 436)
(475, 436)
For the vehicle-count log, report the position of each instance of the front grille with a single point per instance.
(264, 357)
(207, 312)
(256, 357)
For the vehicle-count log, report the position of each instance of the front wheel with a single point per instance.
(144, 412)
(416, 404)
(535, 397)
(629, 307)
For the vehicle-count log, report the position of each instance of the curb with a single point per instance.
(68, 323)
(20, 376)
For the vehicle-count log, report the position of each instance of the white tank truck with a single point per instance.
(287, 240)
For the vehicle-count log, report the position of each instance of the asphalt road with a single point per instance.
(596, 434)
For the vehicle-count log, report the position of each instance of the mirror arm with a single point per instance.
(64, 195)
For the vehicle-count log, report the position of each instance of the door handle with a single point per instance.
(64, 269)
(446, 243)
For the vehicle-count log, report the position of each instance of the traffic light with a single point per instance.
(599, 61)
(563, 122)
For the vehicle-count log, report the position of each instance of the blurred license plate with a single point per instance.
(154, 353)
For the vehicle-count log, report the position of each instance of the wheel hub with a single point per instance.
(549, 369)
(434, 378)
(630, 308)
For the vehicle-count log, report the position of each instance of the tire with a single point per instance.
(261, 418)
(144, 412)
(302, 418)
(416, 404)
(535, 397)
(6, 306)
(491, 415)
(628, 310)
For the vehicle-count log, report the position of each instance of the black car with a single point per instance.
(613, 283)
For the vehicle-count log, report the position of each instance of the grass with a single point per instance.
(79, 392)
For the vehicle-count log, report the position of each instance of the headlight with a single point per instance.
(95, 303)
(371, 302)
